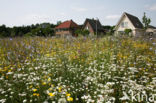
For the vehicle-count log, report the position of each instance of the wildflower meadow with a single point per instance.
(77, 70)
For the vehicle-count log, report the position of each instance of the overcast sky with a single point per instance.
(27, 12)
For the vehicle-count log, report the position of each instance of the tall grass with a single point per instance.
(78, 70)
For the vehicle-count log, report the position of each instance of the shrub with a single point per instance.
(82, 32)
(127, 31)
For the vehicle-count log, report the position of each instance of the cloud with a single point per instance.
(78, 9)
(113, 16)
(151, 7)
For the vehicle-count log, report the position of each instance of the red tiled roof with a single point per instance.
(67, 24)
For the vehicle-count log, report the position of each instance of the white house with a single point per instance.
(128, 21)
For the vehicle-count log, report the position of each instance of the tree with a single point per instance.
(78, 32)
(107, 27)
(58, 22)
(44, 29)
(4, 31)
(110, 30)
(146, 21)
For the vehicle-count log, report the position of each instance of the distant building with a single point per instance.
(66, 28)
(128, 21)
(151, 30)
(93, 26)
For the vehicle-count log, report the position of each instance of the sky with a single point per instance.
(27, 12)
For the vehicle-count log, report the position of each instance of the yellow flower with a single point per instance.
(51, 94)
(68, 94)
(34, 90)
(36, 94)
(48, 55)
(70, 99)
(49, 79)
(44, 83)
(9, 70)
(59, 89)
(30, 86)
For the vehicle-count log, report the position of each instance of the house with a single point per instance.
(66, 28)
(151, 30)
(128, 21)
(93, 26)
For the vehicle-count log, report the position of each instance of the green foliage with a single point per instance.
(109, 30)
(82, 32)
(108, 33)
(146, 21)
(78, 31)
(44, 29)
(127, 31)
(85, 32)
(28, 34)
(4, 31)
(58, 22)
(107, 27)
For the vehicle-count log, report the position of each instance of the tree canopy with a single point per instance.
(44, 29)
(146, 21)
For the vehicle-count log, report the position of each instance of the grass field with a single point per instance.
(78, 70)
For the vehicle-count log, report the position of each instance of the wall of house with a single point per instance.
(138, 32)
(63, 33)
(129, 25)
(151, 30)
(89, 28)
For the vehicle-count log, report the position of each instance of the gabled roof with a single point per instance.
(133, 19)
(67, 24)
(94, 23)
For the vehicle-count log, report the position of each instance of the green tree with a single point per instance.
(44, 29)
(58, 22)
(4, 31)
(146, 21)
(78, 32)
(110, 30)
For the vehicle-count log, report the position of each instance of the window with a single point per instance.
(87, 28)
(124, 24)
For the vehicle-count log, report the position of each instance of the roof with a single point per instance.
(150, 26)
(94, 23)
(135, 21)
(67, 24)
